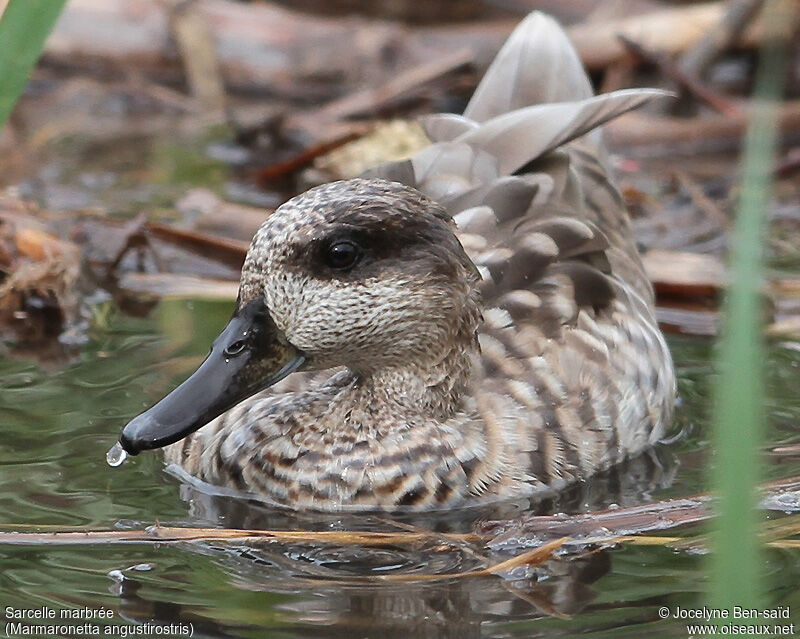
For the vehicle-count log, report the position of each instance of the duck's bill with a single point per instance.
(249, 355)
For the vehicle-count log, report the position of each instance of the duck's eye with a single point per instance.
(236, 348)
(342, 255)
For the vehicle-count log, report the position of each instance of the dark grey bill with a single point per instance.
(248, 356)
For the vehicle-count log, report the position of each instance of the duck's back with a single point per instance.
(574, 374)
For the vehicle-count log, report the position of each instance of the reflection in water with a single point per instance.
(136, 609)
(342, 604)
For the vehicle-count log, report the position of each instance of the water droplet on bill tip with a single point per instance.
(116, 455)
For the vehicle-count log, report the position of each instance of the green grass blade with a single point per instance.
(736, 561)
(24, 27)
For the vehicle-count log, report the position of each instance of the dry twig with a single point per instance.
(633, 520)
(701, 200)
(171, 535)
(305, 157)
(720, 37)
(224, 250)
(683, 134)
(369, 101)
(715, 100)
(198, 54)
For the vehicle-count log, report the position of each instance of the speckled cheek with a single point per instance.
(288, 296)
(343, 321)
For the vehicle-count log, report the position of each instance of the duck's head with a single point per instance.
(366, 274)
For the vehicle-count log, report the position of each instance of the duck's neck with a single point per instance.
(434, 388)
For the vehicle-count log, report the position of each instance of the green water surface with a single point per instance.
(55, 428)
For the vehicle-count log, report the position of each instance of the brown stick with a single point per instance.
(701, 200)
(789, 165)
(687, 321)
(223, 250)
(368, 101)
(635, 129)
(639, 519)
(634, 520)
(166, 534)
(720, 37)
(684, 275)
(671, 71)
(304, 158)
(198, 55)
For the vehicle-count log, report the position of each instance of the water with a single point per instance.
(55, 429)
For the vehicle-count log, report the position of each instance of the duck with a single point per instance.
(470, 325)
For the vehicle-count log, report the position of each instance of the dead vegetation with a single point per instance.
(300, 105)
(40, 274)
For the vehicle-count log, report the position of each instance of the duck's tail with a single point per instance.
(535, 98)
(536, 65)
(514, 151)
